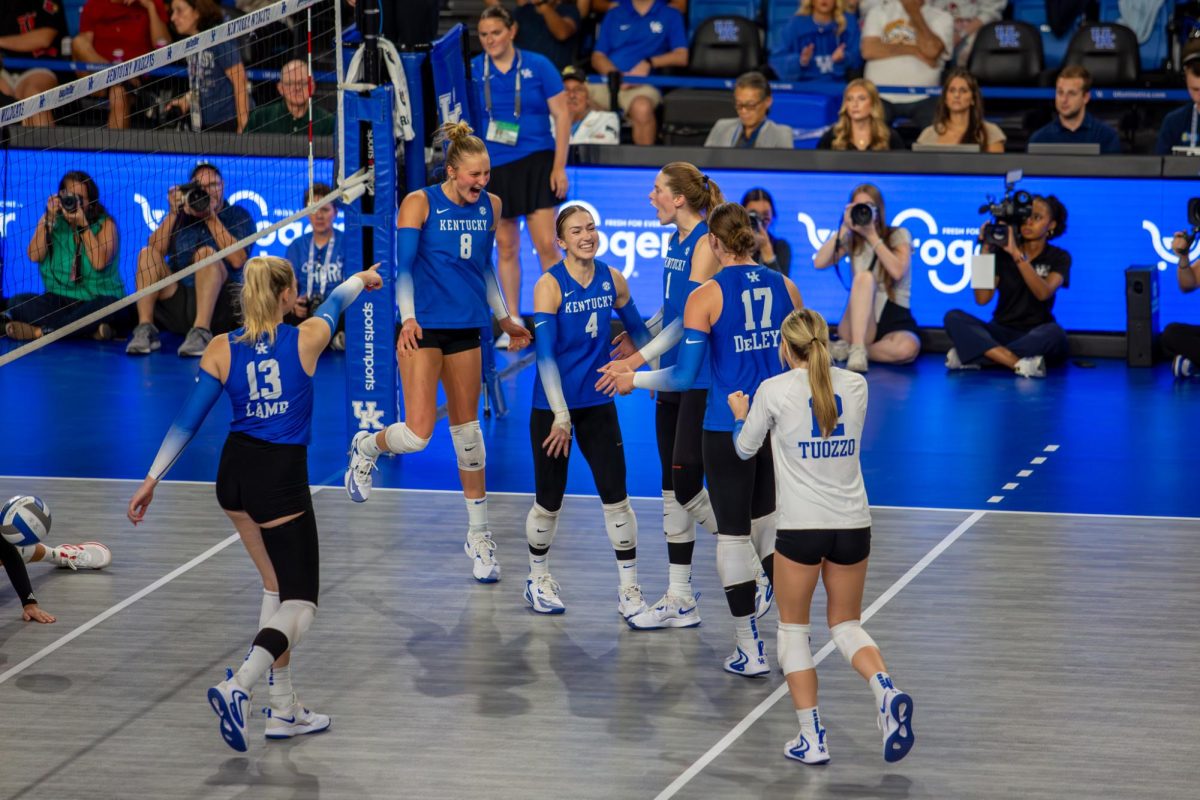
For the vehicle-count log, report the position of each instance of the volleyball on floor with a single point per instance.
(24, 520)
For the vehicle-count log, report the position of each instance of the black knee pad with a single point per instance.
(295, 555)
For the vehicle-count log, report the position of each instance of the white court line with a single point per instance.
(128, 601)
(821, 655)
(387, 489)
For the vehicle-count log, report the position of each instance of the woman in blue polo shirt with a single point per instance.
(518, 92)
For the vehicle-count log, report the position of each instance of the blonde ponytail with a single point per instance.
(264, 279)
(806, 335)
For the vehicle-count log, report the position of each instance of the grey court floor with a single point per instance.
(1049, 656)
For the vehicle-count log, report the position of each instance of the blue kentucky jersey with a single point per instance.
(581, 347)
(677, 285)
(744, 344)
(452, 257)
(271, 394)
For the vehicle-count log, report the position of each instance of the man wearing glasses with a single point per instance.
(751, 128)
(289, 113)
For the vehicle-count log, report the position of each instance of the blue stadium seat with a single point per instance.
(779, 12)
(700, 10)
(1054, 47)
(73, 8)
(1154, 50)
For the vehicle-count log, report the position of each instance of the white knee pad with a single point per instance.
(621, 525)
(401, 439)
(677, 523)
(795, 647)
(699, 508)
(762, 532)
(540, 527)
(270, 604)
(736, 560)
(849, 637)
(293, 620)
(468, 446)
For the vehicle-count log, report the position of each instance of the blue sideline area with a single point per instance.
(1125, 444)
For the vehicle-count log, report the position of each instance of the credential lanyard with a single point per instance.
(487, 86)
(312, 243)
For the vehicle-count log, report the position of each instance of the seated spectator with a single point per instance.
(600, 7)
(216, 76)
(289, 112)
(1181, 342)
(959, 116)
(75, 248)
(549, 27)
(317, 258)
(198, 224)
(1181, 127)
(860, 122)
(906, 43)
(969, 16)
(30, 29)
(820, 43)
(589, 124)
(750, 128)
(110, 32)
(1072, 124)
(636, 38)
(1022, 335)
(772, 253)
(877, 323)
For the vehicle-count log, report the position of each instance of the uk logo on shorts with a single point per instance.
(368, 415)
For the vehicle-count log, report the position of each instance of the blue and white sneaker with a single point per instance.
(230, 701)
(671, 611)
(480, 548)
(747, 665)
(764, 594)
(295, 721)
(541, 593)
(358, 474)
(1181, 367)
(630, 602)
(808, 750)
(895, 721)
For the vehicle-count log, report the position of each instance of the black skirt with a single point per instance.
(523, 186)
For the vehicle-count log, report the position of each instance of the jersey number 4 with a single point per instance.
(763, 295)
(838, 430)
(271, 385)
(592, 325)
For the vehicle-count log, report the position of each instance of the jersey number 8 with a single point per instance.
(464, 246)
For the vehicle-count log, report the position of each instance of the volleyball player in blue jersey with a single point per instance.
(815, 416)
(266, 368)
(732, 323)
(574, 302)
(682, 196)
(444, 286)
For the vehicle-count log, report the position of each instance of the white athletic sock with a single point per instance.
(539, 565)
(747, 631)
(680, 577)
(810, 720)
(477, 518)
(279, 686)
(369, 447)
(257, 662)
(880, 683)
(627, 572)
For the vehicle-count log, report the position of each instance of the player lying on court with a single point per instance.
(814, 416)
(266, 368)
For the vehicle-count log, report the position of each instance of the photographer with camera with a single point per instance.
(1180, 341)
(317, 258)
(198, 224)
(75, 248)
(877, 322)
(1029, 271)
(772, 253)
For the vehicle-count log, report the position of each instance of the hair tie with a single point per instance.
(704, 178)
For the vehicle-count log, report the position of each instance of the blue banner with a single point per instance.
(1112, 224)
(450, 78)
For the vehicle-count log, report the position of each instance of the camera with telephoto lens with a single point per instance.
(69, 202)
(1010, 211)
(195, 198)
(862, 214)
(755, 220)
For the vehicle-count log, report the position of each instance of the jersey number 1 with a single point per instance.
(270, 372)
(838, 430)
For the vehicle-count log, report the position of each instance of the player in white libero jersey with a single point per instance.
(815, 417)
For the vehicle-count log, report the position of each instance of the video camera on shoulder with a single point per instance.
(195, 199)
(1010, 211)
